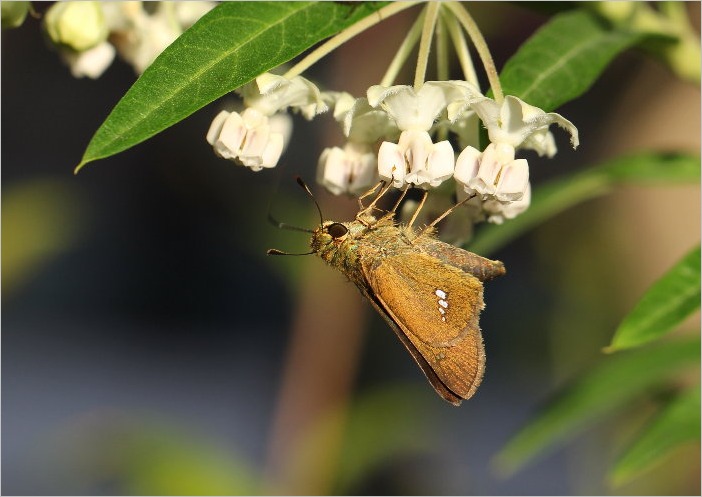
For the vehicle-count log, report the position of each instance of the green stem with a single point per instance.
(481, 47)
(425, 44)
(404, 51)
(462, 52)
(442, 58)
(338, 40)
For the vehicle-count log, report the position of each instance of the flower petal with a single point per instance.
(230, 137)
(514, 179)
(273, 150)
(391, 164)
(467, 165)
(441, 163)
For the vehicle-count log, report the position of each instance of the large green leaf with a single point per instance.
(563, 59)
(670, 300)
(612, 384)
(648, 168)
(228, 47)
(678, 423)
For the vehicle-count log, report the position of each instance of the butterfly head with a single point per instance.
(329, 236)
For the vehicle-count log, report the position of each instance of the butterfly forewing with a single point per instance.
(437, 307)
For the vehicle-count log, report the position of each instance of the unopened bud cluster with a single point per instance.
(88, 35)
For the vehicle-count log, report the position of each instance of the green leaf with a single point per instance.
(610, 385)
(678, 423)
(550, 199)
(563, 59)
(666, 304)
(229, 46)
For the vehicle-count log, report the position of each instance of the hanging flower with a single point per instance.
(270, 93)
(415, 159)
(497, 211)
(496, 179)
(516, 123)
(248, 138)
(92, 62)
(351, 170)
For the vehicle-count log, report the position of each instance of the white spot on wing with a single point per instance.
(443, 304)
(440, 293)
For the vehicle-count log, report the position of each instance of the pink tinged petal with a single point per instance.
(514, 178)
(91, 63)
(486, 179)
(417, 146)
(365, 173)
(216, 127)
(331, 170)
(513, 209)
(467, 166)
(282, 124)
(254, 144)
(272, 152)
(253, 118)
(230, 137)
(441, 163)
(391, 164)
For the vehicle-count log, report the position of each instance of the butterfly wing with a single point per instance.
(480, 267)
(436, 307)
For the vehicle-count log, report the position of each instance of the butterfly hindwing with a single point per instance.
(436, 306)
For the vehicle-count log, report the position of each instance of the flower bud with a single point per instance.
(13, 14)
(77, 25)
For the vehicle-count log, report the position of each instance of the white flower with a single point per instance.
(416, 160)
(492, 174)
(146, 36)
(92, 62)
(76, 25)
(270, 93)
(498, 211)
(349, 170)
(516, 123)
(361, 122)
(140, 37)
(498, 182)
(246, 138)
(419, 109)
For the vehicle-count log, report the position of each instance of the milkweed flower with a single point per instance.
(415, 159)
(352, 169)
(496, 178)
(256, 138)
(516, 123)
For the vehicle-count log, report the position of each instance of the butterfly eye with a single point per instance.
(337, 230)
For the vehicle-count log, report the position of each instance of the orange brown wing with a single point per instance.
(436, 307)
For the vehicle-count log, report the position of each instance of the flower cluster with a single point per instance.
(403, 135)
(89, 34)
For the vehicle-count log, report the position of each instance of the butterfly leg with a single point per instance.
(371, 206)
(419, 208)
(442, 216)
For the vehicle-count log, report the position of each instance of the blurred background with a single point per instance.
(149, 346)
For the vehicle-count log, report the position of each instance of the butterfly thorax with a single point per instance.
(351, 246)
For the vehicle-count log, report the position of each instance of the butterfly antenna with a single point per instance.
(309, 192)
(280, 252)
(286, 226)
